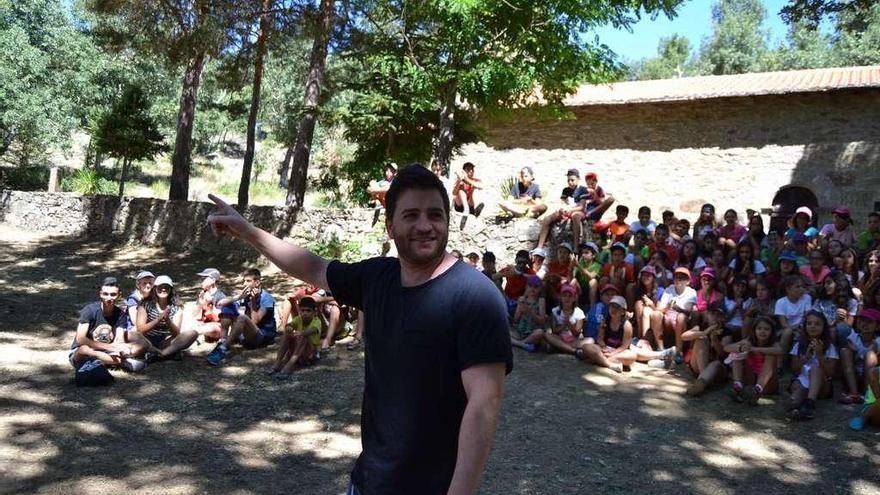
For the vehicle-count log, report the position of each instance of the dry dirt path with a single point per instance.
(188, 428)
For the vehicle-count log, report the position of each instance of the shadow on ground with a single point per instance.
(188, 428)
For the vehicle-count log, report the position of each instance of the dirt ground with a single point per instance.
(184, 427)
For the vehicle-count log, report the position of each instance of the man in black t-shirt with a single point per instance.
(115, 347)
(436, 343)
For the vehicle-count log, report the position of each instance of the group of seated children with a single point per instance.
(153, 326)
(791, 310)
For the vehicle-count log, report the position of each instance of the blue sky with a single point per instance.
(694, 20)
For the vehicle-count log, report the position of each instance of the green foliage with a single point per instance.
(505, 188)
(671, 61)
(849, 13)
(88, 181)
(264, 192)
(336, 249)
(858, 46)
(128, 131)
(739, 41)
(46, 78)
(24, 178)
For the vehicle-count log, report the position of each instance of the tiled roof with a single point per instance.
(703, 87)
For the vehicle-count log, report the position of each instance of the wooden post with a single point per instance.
(54, 180)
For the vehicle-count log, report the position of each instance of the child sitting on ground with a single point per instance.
(300, 342)
(753, 361)
(704, 358)
(530, 317)
(857, 355)
(813, 359)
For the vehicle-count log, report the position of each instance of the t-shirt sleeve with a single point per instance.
(346, 282)
(689, 299)
(535, 190)
(87, 314)
(482, 335)
(779, 308)
(578, 314)
(266, 300)
(831, 352)
(794, 349)
(759, 267)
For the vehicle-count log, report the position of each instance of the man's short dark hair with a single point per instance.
(668, 214)
(109, 282)
(489, 257)
(468, 166)
(662, 227)
(308, 303)
(522, 254)
(253, 273)
(414, 176)
(645, 209)
(622, 209)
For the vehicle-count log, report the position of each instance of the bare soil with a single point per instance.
(184, 427)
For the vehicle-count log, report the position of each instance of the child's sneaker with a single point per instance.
(133, 365)
(696, 388)
(658, 363)
(679, 358)
(857, 423)
(753, 395)
(217, 355)
(530, 347)
(737, 392)
(807, 409)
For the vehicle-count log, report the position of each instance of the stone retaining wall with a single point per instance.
(182, 225)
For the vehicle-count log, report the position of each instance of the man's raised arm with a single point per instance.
(296, 261)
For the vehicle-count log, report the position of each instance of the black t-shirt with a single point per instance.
(573, 193)
(94, 316)
(417, 342)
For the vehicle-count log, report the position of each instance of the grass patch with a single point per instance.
(263, 192)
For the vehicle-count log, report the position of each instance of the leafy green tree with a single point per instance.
(739, 41)
(47, 78)
(811, 12)
(858, 40)
(186, 34)
(430, 57)
(128, 132)
(671, 61)
(806, 47)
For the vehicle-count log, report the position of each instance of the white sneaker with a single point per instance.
(133, 365)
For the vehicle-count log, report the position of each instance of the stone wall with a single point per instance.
(182, 225)
(733, 152)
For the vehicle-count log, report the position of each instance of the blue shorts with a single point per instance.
(592, 214)
(264, 339)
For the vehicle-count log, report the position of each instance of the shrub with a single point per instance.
(24, 178)
(88, 181)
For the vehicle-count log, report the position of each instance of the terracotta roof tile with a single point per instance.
(702, 87)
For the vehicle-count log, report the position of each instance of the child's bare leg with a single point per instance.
(700, 356)
(83, 352)
(593, 353)
(630, 293)
(183, 340)
(333, 323)
(818, 384)
(546, 223)
(712, 371)
(737, 369)
(462, 200)
(283, 352)
(640, 311)
(680, 323)
(594, 291)
(558, 344)
(656, 324)
(626, 358)
(767, 378)
(785, 340)
(577, 219)
(798, 394)
(298, 346)
(847, 359)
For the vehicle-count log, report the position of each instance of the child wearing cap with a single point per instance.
(564, 265)
(672, 312)
(159, 319)
(704, 358)
(840, 228)
(539, 268)
(612, 347)
(299, 343)
(599, 312)
(143, 285)
(860, 354)
(800, 224)
(567, 207)
(214, 311)
(567, 322)
(530, 317)
(588, 272)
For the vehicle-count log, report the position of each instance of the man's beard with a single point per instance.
(408, 253)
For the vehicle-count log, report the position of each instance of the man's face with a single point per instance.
(419, 226)
(469, 172)
(251, 282)
(641, 238)
(109, 295)
(681, 282)
(617, 256)
(592, 183)
(873, 223)
(145, 285)
(572, 181)
(208, 283)
(525, 176)
(563, 254)
(644, 217)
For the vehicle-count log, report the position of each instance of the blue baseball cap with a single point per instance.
(788, 255)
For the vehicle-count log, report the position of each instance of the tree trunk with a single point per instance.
(122, 173)
(447, 127)
(181, 159)
(296, 190)
(284, 172)
(246, 168)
